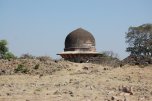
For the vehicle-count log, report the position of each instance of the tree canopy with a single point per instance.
(140, 40)
(4, 52)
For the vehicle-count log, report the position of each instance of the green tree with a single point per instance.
(140, 40)
(3, 48)
(4, 52)
(9, 55)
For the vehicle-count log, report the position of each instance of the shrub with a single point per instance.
(3, 48)
(9, 55)
(27, 56)
(37, 66)
(21, 68)
(4, 51)
(137, 60)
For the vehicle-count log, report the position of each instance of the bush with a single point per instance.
(107, 58)
(137, 60)
(27, 56)
(3, 48)
(9, 55)
(21, 69)
(37, 66)
(104, 60)
(4, 51)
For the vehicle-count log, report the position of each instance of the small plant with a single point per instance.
(21, 68)
(37, 66)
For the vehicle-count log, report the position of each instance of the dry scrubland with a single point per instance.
(48, 80)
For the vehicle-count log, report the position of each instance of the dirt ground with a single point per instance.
(75, 82)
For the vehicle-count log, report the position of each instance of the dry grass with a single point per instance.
(80, 82)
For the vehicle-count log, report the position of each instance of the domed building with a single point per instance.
(79, 46)
(80, 40)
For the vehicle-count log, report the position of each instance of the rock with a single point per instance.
(151, 93)
(105, 68)
(8, 94)
(110, 92)
(124, 94)
(116, 98)
(71, 93)
(126, 89)
(57, 93)
(85, 68)
(40, 75)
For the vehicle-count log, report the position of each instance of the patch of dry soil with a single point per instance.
(78, 82)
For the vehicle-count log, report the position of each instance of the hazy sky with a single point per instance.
(39, 27)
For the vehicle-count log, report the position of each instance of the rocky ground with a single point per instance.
(50, 80)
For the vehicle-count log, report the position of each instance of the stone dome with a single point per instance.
(80, 40)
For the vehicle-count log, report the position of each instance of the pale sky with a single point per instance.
(39, 27)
